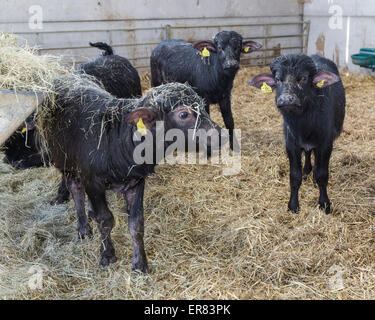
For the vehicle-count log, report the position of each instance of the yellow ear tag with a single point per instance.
(246, 49)
(205, 52)
(141, 127)
(320, 83)
(23, 130)
(266, 88)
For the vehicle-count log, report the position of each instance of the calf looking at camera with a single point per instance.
(90, 135)
(311, 98)
(208, 66)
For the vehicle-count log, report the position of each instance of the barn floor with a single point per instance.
(210, 236)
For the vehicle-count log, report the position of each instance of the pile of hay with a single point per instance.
(209, 236)
(21, 68)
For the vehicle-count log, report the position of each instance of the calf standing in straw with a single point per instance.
(91, 138)
(311, 98)
(208, 66)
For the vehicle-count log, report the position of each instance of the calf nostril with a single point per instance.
(231, 64)
(286, 100)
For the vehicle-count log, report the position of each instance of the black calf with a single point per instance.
(90, 136)
(117, 76)
(311, 99)
(209, 67)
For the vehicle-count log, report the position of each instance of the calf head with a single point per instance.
(20, 149)
(228, 46)
(296, 80)
(178, 106)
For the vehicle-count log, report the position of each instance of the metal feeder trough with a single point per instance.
(15, 107)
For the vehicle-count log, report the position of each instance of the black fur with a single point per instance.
(21, 148)
(212, 77)
(103, 46)
(313, 116)
(117, 76)
(116, 73)
(94, 158)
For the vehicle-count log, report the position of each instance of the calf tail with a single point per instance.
(103, 46)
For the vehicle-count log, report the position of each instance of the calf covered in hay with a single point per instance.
(117, 75)
(311, 98)
(90, 135)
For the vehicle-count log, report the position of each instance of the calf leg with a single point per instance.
(62, 193)
(134, 199)
(103, 216)
(295, 175)
(226, 111)
(322, 156)
(207, 107)
(307, 167)
(91, 213)
(78, 193)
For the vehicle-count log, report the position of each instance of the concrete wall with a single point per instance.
(339, 41)
(135, 27)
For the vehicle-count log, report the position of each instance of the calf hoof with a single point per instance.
(140, 267)
(326, 206)
(91, 216)
(306, 172)
(84, 231)
(305, 175)
(59, 200)
(293, 207)
(106, 260)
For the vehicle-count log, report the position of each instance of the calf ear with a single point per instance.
(30, 125)
(148, 117)
(325, 78)
(205, 44)
(27, 126)
(250, 46)
(258, 80)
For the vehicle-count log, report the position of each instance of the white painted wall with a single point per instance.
(71, 24)
(358, 26)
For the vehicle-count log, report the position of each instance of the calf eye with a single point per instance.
(183, 115)
(304, 79)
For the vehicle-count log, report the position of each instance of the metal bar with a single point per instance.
(307, 27)
(264, 37)
(88, 47)
(237, 25)
(258, 58)
(167, 31)
(272, 49)
(155, 19)
(160, 28)
(82, 61)
(132, 44)
(89, 30)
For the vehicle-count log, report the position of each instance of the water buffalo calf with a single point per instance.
(311, 98)
(90, 137)
(117, 76)
(208, 66)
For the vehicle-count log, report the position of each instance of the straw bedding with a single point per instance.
(21, 68)
(209, 236)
